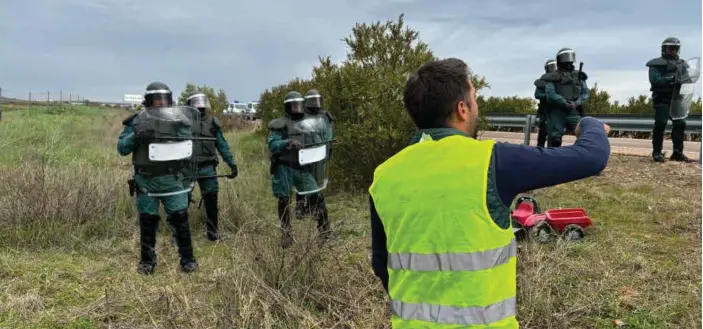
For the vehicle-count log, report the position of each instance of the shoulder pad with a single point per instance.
(583, 76)
(657, 62)
(539, 83)
(552, 76)
(216, 122)
(277, 124)
(329, 116)
(129, 119)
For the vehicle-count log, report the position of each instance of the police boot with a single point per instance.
(658, 142)
(555, 142)
(212, 212)
(319, 210)
(679, 156)
(284, 220)
(148, 226)
(300, 206)
(179, 220)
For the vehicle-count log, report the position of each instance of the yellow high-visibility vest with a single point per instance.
(449, 264)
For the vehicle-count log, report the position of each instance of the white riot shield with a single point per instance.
(683, 96)
(313, 158)
(172, 143)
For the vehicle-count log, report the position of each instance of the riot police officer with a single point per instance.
(287, 135)
(206, 153)
(566, 92)
(663, 72)
(549, 66)
(159, 181)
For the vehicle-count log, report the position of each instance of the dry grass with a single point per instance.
(69, 239)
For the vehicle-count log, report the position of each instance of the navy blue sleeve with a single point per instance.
(379, 253)
(522, 168)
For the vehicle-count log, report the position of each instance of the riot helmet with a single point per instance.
(550, 66)
(313, 101)
(293, 105)
(671, 47)
(199, 101)
(565, 59)
(158, 95)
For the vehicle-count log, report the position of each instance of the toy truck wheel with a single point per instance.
(541, 232)
(573, 232)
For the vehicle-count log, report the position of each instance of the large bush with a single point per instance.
(365, 94)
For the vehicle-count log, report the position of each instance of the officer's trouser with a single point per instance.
(661, 117)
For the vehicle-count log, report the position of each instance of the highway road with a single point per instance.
(617, 145)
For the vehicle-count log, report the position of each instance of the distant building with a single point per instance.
(135, 99)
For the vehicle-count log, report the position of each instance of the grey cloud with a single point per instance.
(105, 48)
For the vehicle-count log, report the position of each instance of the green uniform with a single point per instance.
(563, 86)
(152, 177)
(286, 172)
(662, 75)
(157, 183)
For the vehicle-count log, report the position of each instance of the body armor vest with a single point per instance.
(569, 86)
(161, 130)
(205, 151)
(311, 129)
(668, 68)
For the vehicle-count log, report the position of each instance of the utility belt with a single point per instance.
(150, 171)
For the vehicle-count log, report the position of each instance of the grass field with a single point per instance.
(69, 239)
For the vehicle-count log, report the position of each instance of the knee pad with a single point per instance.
(678, 124)
(555, 141)
(660, 126)
(178, 217)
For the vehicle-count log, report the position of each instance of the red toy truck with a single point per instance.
(569, 223)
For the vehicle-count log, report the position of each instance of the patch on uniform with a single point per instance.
(425, 137)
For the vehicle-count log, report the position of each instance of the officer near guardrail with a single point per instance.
(549, 66)
(206, 153)
(566, 93)
(441, 234)
(299, 149)
(671, 99)
(314, 109)
(158, 177)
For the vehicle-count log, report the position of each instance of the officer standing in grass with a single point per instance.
(663, 71)
(287, 135)
(566, 93)
(206, 153)
(452, 261)
(150, 177)
(540, 94)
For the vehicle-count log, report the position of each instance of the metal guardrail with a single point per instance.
(617, 122)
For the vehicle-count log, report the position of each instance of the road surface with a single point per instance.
(617, 145)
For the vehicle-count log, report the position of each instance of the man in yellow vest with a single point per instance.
(443, 245)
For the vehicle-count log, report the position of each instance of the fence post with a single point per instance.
(29, 103)
(700, 155)
(0, 104)
(528, 128)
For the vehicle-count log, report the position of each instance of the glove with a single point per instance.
(234, 173)
(294, 144)
(570, 105)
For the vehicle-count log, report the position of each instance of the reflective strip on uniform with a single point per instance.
(472, 261)
(294, 100)
(159, 91)
(471, 315)
(313, 96)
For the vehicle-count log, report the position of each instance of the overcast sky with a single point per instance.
(102, 49)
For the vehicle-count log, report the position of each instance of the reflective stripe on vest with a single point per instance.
(449, 264)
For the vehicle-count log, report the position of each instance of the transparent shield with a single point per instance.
(313, 158)
(683, 95)
(173, 134)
